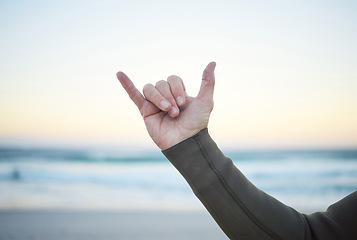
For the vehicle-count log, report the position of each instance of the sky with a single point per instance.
(286, 74)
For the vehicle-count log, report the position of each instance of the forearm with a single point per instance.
(240, 209)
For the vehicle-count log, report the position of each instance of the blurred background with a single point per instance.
(285, 99)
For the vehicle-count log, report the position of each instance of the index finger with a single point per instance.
(130, 88)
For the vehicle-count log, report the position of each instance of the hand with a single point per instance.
(170, 115)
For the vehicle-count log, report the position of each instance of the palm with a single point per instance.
(167, 131)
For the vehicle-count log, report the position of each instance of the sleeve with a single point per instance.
(242, 210)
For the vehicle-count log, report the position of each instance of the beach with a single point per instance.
(107, 225)
(101, 194)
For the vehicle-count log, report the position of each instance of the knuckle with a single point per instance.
(161, 83)
(171, 99)
(173, 78)
(147, 87)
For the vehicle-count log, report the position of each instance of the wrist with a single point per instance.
(184, 138)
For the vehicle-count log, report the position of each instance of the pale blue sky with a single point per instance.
(286, 70)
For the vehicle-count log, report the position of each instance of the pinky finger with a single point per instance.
(130, 88)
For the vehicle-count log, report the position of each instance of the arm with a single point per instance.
(177, 123)
(245, 212)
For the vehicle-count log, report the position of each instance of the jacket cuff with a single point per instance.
(188, 157)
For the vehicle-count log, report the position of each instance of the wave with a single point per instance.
(304, 179)
(77, 155)
(95, 155)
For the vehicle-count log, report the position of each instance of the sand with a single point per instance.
(107, 225)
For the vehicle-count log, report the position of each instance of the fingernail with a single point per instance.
(179, 100)
(173, 110)
(165, 104)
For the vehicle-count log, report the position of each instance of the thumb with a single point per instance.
(207, 84)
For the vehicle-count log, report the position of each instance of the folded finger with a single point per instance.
(164, 88)
(156, 98)
(177, 89)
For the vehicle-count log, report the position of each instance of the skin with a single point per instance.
(170, 115)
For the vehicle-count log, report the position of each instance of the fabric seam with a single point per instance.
(231, 193)
(196, 191)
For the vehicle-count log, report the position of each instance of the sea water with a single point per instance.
(37, 178)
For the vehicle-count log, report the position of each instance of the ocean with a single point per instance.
(43, 178)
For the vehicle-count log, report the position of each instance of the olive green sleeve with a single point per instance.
(240, 209)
